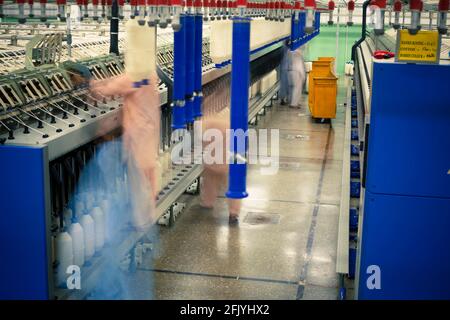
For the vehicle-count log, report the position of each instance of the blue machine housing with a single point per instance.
(298, 35)
(179, 75)
(25, 270)
(406, 219)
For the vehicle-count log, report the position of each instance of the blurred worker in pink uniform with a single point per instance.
(214, 177)
(141, 136)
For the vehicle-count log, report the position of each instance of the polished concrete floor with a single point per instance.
(285, 244)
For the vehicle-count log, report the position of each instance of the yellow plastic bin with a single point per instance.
(325, 91)
(320, 68)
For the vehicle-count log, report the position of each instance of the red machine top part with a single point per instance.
(443, 5)
(310, 4)
(397, 6)
(379, 3)
(331, 5)
(351, 5)
(416, 5)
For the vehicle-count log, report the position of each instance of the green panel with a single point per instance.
(324, 45)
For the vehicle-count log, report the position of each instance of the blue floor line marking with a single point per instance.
(312, 228)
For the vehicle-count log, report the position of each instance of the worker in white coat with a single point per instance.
(284, 69)
(293, 74)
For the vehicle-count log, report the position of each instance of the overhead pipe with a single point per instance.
(198, 95)
(219, 9)
(351, 8)
(212, 9)
(80, 7)
(152, 12)
(310, 7)
(21, 8)
(103, 4)
(164, 13)
(331, 6)
(30, 8)
(269, 8)
(121, 4)
(224, 9)
(108, 7)
(43, 14)
(297, 8)
(85, 8)
(276, 10)
(281, 11)
(134, 10)
(443, 8)
(141, 10)
(206, 6)
(61, 10)
(179, 76)
(379, 7)
(240, 80)
(397, 10)
(176, 11)
(415, 6)
(363, 29)
(95, 15)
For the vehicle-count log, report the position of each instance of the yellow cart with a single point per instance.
(322, 89)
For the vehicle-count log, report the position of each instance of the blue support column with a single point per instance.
(317, 22)
(294, 32)
(190, 70)
(301, 28)
(198, 66)
(240, 74)
(179, 76)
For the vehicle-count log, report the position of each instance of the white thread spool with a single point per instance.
(64, 255)
(77, 233)
(99, 221)
(104, 205)
(88, 225)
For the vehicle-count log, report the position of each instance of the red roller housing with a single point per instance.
(351, 5)
(241, 6)
(331, 5)
(350, 8)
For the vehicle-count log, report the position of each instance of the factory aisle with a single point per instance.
(285, 245)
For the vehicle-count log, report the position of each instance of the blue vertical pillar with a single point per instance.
(190, 70)
(317, 21)
(301, 27)
(240, 75)
(294, 35)
(198, 65)
(179, 76)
